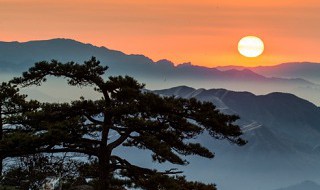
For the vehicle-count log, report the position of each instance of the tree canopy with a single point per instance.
(126, 115)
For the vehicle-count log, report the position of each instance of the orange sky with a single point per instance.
(204, 32)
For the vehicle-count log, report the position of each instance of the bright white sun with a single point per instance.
(250, 46)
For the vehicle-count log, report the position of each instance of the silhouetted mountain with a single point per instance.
(20, 56)
(17, 57)
(272, 109)
(306, 185)
(306, 70)
(283, 133)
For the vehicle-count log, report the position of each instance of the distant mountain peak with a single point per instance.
(187, 64)
(64, 40)
(180, 90)
(164, 61)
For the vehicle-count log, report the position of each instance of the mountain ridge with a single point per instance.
(282, 130)
(305, 70)
(16, 57)
(60, 42)
(56, 45)
(281, 113)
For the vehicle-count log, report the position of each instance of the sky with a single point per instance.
(204, 32)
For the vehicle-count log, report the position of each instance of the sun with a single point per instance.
(250, 46)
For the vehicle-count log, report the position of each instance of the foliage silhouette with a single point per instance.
(13, 106)
(126, 115)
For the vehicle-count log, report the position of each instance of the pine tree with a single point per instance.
(166, 126)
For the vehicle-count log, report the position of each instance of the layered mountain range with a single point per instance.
(16, 57)
(307, 70)
(283, 133)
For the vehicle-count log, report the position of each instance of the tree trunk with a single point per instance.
(104, 159)
(104, 172)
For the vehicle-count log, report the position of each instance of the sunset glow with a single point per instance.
(202, 32)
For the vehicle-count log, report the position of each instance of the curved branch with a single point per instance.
(93, 120)
(59, 150)
(120, 140)
(124, 164)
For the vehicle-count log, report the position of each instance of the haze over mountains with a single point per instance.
(16, 57)
(283, 136)
(306, 70)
